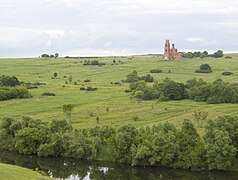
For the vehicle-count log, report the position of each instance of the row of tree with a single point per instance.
(198, 90)
(159, 145)
(202, 55)
(56, 55)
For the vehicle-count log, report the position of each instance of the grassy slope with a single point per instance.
(18, 173)
(122, 108)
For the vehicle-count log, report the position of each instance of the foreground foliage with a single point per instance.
(161, 145)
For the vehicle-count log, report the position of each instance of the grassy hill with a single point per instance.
(122, 108)
(18, 173)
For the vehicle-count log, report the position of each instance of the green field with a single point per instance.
(122, 108)
(8, 172)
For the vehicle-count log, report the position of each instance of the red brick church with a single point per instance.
(171, 53)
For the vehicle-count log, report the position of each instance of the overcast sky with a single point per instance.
(115, 27)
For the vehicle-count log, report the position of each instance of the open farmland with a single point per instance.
(112, 97)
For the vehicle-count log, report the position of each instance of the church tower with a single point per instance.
(167, 50)
(171, 53)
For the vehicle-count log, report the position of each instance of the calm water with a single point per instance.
(77, 170)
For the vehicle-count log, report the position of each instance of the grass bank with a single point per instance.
(10, 172)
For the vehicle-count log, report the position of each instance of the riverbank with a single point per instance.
(18, 173)
(70, 168)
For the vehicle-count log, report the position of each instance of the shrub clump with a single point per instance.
(48, 94)
(155, 71)
(89, 88)
(204, 68)
(9, 81)
(87, 80)
(133, 77)
(93, 63)
(227, 73)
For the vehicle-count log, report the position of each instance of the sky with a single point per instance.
(30, 28)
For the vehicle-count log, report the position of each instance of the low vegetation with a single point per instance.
(93, 63)
(48, 94)
(227, 73)
(155, 71)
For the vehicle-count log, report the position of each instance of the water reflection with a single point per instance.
(73, 169)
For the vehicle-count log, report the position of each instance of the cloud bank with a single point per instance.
(106, 27)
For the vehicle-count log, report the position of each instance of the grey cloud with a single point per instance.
(29, 28)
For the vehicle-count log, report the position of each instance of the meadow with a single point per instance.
(110, 102)
(19, 173)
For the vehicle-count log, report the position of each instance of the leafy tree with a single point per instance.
(95, 62)
(188, 138)
(139, 85)
(204, 55)
(197, 54)
(220, 151)
(106, 132)
(70, 78)
(45, 55)
(55, 74)
(121, 143)
(28, 140)
(188, 55)
(56, 55)
(60, 126)
(223, 123)
(8, 130)
(147, 78)
(218, 54)
(20, 92)
(204, 68)
(171, 89)
(97, 120)
(67, 110)
(200, 116)
(133, 77)
(9, 81)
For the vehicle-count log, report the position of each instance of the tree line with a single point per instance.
(198, 90)
(204, 54)
(157, 145)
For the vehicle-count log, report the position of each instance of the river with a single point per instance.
(73, 169)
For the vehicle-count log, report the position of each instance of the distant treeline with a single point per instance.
(158, 145)
(56, 55)
(76, 57)
(203, 54)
